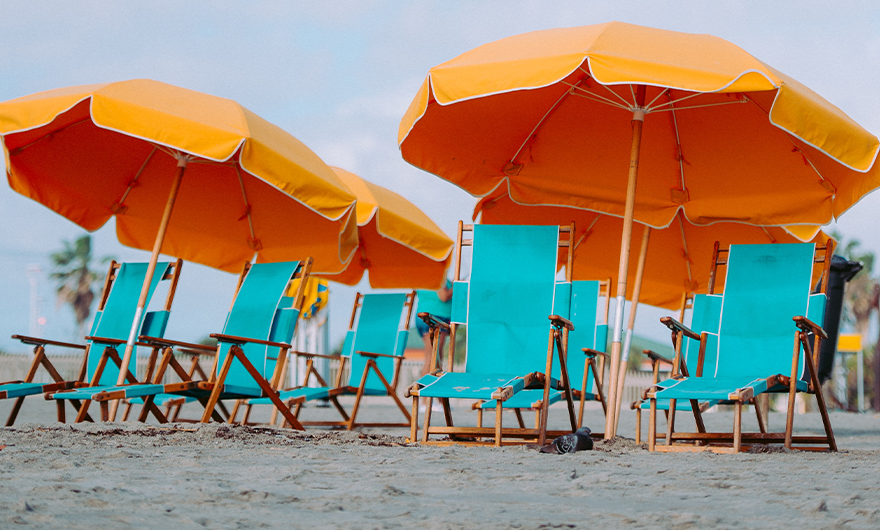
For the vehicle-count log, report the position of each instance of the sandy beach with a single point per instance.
(216, 476)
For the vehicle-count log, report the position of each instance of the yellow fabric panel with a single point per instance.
(849, 343)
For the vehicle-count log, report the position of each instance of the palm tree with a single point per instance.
(75, 279)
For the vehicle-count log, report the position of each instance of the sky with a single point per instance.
(339, 76)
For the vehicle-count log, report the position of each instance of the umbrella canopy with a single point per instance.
(399, 245)
(554, 116)
(726, 137)
(92, 152)
(678, 258)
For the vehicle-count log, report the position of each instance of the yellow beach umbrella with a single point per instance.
(398, 244)
(557, 118)
(672, 262)
(121, 149)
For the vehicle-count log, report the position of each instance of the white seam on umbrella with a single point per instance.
(399, 242)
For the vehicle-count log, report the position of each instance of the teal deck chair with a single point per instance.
(252, 348)
(110, 330)
(767, 318)
(705, 317)
(374, 346)
(579, 302)
(512, 332)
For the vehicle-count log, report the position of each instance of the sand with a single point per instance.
(214, 476)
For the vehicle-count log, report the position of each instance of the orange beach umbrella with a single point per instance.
(121, 149)
(554, 116)
(398, 244)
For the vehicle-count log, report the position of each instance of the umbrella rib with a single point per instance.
(737, 102)
(825, 183)
(133, 182)
(654, 109)
(769, 235)
(599, 99)
(687, 255)
(538, 125)
(247, 206)
(626, 103)
(664, 91)
(677, 144)
(18, 150)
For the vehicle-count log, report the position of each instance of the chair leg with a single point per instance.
(652, 425)
(737, 427)
(414, 420)
(105, 410)
(15, 408)
(670, 421)
(762, 426)
(479, 418)
(59, 405)
(519, 418)
(247, 414)
(234, 414)
(427, 424)
(498, 411)
(639, 425)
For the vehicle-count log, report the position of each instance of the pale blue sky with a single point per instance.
(339, 75)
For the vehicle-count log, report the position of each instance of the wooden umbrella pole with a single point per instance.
(625, 240)
(151, 268)
(627, 339)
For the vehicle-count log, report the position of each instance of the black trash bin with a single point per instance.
(842, 271)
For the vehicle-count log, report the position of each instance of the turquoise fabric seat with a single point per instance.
(577, 301)
(381, 327)
(505, 306)
(766, 286)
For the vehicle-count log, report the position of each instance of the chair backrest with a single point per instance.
(260, 311)
(381, 327)
(114, 318)
(582, 311)
(705, 317)
(766, 286)
(509, 297)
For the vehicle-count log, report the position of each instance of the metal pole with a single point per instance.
(625, 241)
(151, 268)
(627, 340)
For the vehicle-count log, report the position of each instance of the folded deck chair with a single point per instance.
(578, 301)
(705, 316)
(767, 317)
(110, 329)
(512, 332)
(251, 351)
(374, 345)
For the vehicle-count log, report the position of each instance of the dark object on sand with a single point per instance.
(577, 441)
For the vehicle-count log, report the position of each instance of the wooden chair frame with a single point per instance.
(594, 360)
(214, 385)
(110, 354)
(558, 341)
(734, 442)
(349, 422)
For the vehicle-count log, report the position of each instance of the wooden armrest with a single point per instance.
(808, 325)
(656, 356)
(232, 339)
(159, 341)
(374, 354)
(677, 326)
(590, 352)
(116, 342)
(191, 351)
(306, 354)
(433, 321)
(36, 341)
(561, 322)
